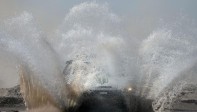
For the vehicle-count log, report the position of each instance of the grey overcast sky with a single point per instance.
(53, 11)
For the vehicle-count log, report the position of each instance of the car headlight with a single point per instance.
(129, 89)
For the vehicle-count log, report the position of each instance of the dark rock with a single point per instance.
(11, 99)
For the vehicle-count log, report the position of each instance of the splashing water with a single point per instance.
(92, 32)
(19, 37)
(166, 53)
(84, 36)
(95, 39)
